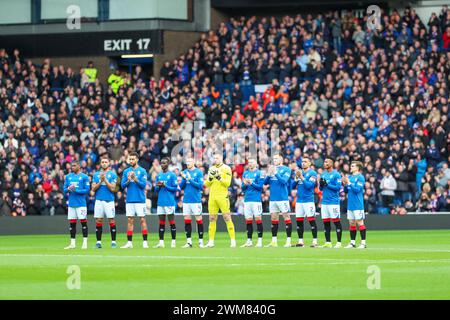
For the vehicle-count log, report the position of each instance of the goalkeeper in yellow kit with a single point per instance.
(218, 181)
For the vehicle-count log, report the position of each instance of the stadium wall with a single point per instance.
(175, 44)
(58, 224)
(218, 16)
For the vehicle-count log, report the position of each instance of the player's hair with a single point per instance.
(166, 158)
(75, 162)
(278, 153)
(358, 164)
(306, 158)
(189, 155)
(104, 158)
(329, 158)
(133, 154)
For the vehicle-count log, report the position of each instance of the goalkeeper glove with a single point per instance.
(323, 182)
(212, 173)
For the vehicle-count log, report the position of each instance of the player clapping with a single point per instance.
(134, 179)
(218, 182)
(330, 183)
(166, 186)
(192, 184)
(104, 184)
(354, 187)
(76, 185)
(278, 180)
(252, 187)
(306, 181)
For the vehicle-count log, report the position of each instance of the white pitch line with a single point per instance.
(412, 249)
(300, 263)
(299, 250)
(298, 260)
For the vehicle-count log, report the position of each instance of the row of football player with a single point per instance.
(105, 183)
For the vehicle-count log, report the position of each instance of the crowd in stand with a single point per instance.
(334, 88)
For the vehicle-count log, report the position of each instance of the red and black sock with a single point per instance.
(98, 231)
(173, 229)
(353, 233)
(300, 227)
(200, 229)
(249, 224)
(73, 228)
(144, 234)
(112, 228)
(338, 225)
(162, 229)
(274, 228)
(84, 228)
(327, 228)
(130, 235)
(259, 227)
(288, 228)
(362, 231)
(313, 224)
(188, 228)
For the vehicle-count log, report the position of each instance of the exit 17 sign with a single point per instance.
(127, 45)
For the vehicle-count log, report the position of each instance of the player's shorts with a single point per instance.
(305, 210)
(192, 209)
(135, 209)
(356, 215)
(219, 203)
(77, 213)
(279, 206)
(104, 208)
(252, 209)
(165, 210)
(331, 211)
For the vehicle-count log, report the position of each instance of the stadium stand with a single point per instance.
(331, 85)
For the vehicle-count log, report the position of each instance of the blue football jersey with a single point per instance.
(331, 191)
(305, 187)
(252, 192)
(279, 184)
(192, 187)
(355, 191)
(103, 193)
(166, 194)
(77, 197)
(135, 189)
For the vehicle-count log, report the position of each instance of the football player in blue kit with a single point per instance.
(252, 187)
(330, 183)
(134, 180)
(105, 184)
(76, 186)
(306, 181)
(354, 187)
(278, 178)
(166, 187)
(192, 184)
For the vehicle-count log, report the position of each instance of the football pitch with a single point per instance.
(396, 265)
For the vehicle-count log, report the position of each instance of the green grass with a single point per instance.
(413, 265)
